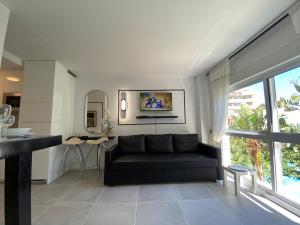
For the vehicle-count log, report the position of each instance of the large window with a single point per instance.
(264, 131)
(287, 88)
(252, 153)
(246, 108)
(289, 175)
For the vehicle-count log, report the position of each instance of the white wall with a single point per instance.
(62, 117)
(4, 16)
(111, 85)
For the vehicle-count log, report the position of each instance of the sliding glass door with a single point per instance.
(264, 131)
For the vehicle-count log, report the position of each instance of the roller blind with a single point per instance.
(278, 45)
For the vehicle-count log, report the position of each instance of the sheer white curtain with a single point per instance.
(204, 108)
(294, 13)
(219, 87)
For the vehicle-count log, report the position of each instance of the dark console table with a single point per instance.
(17, 153)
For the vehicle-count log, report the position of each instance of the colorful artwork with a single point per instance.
(156, 101)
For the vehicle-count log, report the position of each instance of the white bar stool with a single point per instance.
(71, 143)
(99, 142)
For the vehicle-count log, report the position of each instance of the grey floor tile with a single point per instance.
(218, 191)
(66, 181)
(192, 191)
(48, 196)
(115, 214)
(72, 215)
(207, 212)
(159, 213)
(156, 193)
(69, 200)
(36, 188)
(90, 182)
(82, 194)
(119, 194)
(37, 211)
(254, 212)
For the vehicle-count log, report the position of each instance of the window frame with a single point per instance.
(272, 134)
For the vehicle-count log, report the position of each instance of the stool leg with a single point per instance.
(82, 164)
(68, 148)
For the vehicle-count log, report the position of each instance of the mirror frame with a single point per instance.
(86, 109)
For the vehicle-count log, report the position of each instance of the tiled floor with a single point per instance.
(71, 200)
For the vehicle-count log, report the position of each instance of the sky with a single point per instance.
(283, 85)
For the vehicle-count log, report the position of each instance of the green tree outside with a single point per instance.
(255, 153)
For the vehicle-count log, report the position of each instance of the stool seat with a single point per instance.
(97, 142)
(73, 141)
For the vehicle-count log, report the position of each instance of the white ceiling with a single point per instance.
(135, 37)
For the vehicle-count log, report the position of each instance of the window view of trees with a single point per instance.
(252, 153)
(288, 107)
(288, 111)
(249, 115)
(252, 117)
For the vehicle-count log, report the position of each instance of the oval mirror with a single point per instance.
(96, 103)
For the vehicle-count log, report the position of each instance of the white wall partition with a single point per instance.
(47, 107)
(36, 108)
(4, 16)
(62, 117)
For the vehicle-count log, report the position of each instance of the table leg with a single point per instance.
(237, 184)
(18, 189)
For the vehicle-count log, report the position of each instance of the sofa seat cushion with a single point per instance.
(185, 142)
(163, 161)
(159, 143)
(132, 144)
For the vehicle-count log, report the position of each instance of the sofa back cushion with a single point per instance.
(185, 142)
(159, 143)
(132, 144)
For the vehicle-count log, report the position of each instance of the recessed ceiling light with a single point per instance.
(13, 79)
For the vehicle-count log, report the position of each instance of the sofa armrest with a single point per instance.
(209, 150)
(213, 152)
(111, 154)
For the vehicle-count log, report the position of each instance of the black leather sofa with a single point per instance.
(161, 158)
